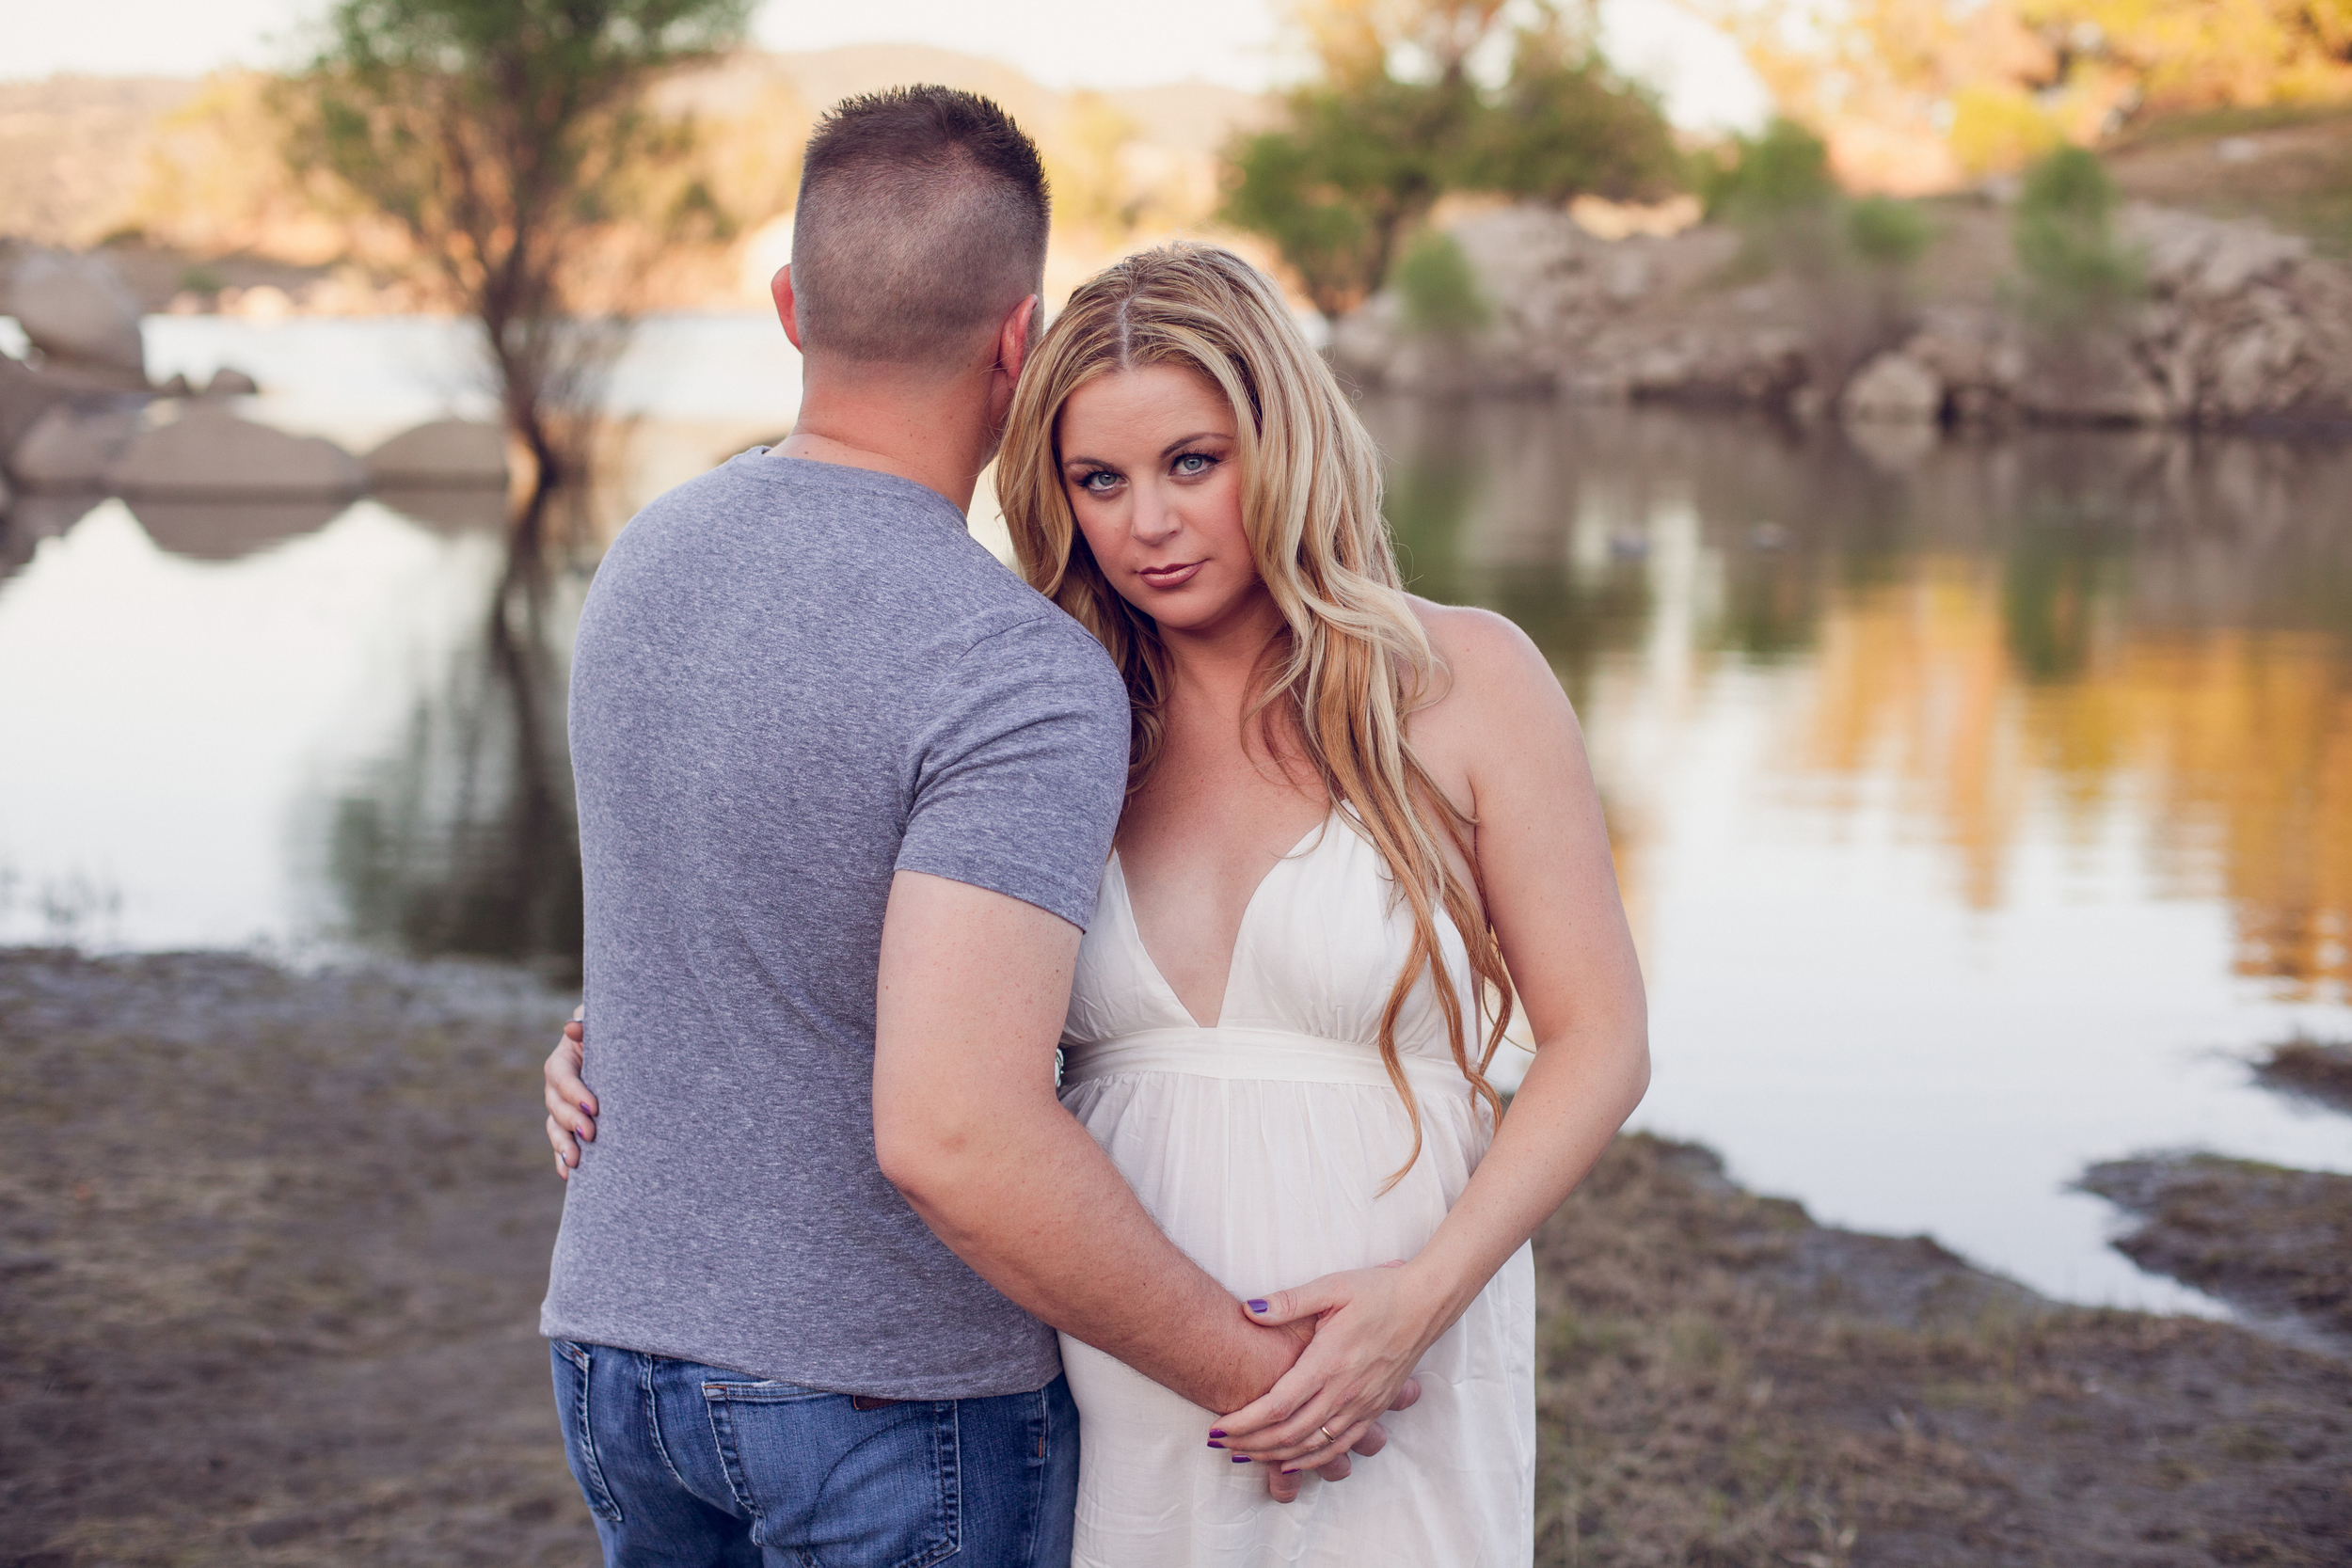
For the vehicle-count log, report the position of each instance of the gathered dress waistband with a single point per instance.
(1275, 1055)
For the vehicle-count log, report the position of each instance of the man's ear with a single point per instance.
(1013, 338)
(787, 303)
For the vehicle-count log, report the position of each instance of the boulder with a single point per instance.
(70, 447)
(34, 519)
(230, 383)
(25, 395)
(447, 453)
(2204, 258)
(209, 452)
(77, 310)
(2091, 380)
(1893, 388)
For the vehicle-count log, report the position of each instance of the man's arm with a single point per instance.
(974, 987)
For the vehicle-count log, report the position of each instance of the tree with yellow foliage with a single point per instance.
(1902, 86)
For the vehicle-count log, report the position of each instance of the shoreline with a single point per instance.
(271, 1244)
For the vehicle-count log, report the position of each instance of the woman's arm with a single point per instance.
(1552, 892)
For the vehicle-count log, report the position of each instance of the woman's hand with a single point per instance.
(571, 1109)
(1371, 1327)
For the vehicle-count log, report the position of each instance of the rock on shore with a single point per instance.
(210, 452)
(2239, 326)
(81, 316)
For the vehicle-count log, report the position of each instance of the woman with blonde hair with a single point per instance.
(1358, 826)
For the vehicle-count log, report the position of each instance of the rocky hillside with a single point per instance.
(2239, 325)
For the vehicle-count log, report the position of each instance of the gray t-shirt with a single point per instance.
(792, 680)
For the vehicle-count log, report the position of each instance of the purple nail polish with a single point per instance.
(1241, 1459)
(1256, 1305)
(584, 1109)
(1216, 1431)
(1215, 1444)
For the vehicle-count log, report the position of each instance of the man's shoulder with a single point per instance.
(1022, 632)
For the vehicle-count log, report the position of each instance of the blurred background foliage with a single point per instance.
(1398, 117)
(516, 145)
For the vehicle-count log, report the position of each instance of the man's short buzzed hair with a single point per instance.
(922, 221)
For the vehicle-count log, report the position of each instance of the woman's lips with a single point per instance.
(1171, 577)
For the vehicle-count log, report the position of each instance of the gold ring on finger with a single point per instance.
(1327, 1433)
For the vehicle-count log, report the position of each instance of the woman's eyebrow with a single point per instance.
(1170, 448)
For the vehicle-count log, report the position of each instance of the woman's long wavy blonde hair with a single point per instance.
(1353, 659)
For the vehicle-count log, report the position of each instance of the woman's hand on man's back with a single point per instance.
(571, 1107)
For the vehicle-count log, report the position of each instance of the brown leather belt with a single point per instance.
(872, 1401)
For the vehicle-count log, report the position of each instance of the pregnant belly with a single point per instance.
(1267, 1184)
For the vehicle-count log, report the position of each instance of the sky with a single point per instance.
(1061, 43)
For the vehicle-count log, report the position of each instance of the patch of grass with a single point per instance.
(2276, 1240)
(1723, 1381)
(2320, 1069)
(2204, 124)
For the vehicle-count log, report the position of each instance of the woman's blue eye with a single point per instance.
(1099, 480)
(1193, 463)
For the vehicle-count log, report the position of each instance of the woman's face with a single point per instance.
(1150, 459)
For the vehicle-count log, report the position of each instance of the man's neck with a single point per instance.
(933, 434)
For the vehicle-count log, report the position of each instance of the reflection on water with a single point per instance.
(2105, 616)
(461, 838)
(1973, 802)
(224, 531)
(288, 724)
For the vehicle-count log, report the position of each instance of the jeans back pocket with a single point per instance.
(844, 1487)
(573, 1365)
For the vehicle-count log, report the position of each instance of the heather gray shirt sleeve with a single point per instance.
(1020, 773)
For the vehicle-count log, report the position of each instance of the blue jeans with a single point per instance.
(691, 1466)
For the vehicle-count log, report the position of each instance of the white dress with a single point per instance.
(1259, 1147)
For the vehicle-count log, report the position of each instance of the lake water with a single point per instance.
(1977, 805)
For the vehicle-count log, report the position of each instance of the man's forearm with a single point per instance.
(969, 1000)
(1038, 1210)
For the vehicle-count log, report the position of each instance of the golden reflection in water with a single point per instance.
(2238, 743)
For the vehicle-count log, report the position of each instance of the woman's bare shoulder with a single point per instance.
(1492, 668)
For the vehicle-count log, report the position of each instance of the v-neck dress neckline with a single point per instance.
(1115, 878)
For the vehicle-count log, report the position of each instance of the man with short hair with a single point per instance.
(829, 751)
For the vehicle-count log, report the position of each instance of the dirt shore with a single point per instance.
(271, 1247)
(2316, 1069)
(2273, 1241)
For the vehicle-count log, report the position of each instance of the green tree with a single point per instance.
(2064, 234)
(1768, 179)
(1886, 232)
(1399, 119)
(513, 142)
(1564, 124)
(1438, 289)
(1350, 174)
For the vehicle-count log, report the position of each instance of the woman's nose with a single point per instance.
(1154, 520)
